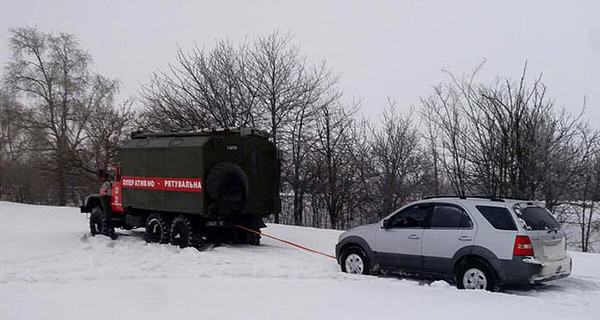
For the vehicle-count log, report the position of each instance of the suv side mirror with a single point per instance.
(385, 224)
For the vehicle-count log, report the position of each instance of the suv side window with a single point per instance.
(449, 217)
(498, 217)
(411, 217)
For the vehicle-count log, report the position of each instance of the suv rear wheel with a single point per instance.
(355, 261)
(476, 274)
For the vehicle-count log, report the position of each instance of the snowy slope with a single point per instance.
(51, 269)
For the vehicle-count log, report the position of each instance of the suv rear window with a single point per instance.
(536, 218)
(498, 217)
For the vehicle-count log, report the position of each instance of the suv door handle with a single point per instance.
(465, 238)
(414, 237)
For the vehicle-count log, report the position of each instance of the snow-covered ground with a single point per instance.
(51, 269)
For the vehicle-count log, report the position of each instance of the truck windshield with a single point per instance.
(535, 218)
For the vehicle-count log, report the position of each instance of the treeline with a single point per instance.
(60, 127)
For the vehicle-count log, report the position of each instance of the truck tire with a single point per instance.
(253, 239)
(182, 234)
(158, 228)
(99, 223)
(227, 187)
(246, 237)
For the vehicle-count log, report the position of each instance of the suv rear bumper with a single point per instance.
(523, 270)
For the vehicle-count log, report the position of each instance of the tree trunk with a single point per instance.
(298, 206)
(61, 186)
(61, 168)
(333, 217)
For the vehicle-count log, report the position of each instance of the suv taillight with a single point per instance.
(523, 246)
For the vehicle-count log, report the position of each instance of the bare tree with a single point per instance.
(203, 89)
(579, 209)
(444, 110)
(499, 139)
(13, 145)
(508, 139)
(106, 130)
(398, 160)
(299, 134)
(53, 73)
(266, 84)
(283, 85)
(332, 158)
(280, 76)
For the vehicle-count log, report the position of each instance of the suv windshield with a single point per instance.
(535, 218)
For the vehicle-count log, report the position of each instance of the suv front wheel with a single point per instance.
(355, 261)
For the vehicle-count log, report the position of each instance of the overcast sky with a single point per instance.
(381, 49)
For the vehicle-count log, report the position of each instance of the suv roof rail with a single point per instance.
(499, 199)
(203, 132)
(468, 197)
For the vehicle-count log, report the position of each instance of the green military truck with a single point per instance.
(189, 188)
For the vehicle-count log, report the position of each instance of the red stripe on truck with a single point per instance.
(165, 184)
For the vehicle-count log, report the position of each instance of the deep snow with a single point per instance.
(50, 268)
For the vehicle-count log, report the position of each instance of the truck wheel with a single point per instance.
(253, 239)
(226, 186)
(99, 223)
(182, 234)
(246, 237)
(157, 228)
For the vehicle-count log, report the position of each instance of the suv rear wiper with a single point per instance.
(553, 229)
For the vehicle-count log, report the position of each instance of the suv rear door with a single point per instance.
(450, 229)
(398, 245)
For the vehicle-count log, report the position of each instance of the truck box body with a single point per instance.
(168, 172)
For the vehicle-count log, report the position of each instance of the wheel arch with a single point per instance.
(477, 253)
(98, 200)
(354, 241)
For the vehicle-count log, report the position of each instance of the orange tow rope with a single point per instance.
(287, 242)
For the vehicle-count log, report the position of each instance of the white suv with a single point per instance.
(481, 243)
